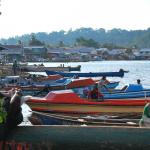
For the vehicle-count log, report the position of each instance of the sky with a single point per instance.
(30, 16)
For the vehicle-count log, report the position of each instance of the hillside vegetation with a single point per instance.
(87, 37)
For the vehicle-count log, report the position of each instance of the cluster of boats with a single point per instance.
(64, 100)
(58, 94)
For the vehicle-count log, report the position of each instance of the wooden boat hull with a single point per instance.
(85, 109)
(69, 102)
(41, 118)
(78, 137)
(90, 74)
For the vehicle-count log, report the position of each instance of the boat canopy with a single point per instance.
(134, 88)
(81, 83)
(65, 96)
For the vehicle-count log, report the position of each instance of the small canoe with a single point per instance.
(41, 118)
(120, 73)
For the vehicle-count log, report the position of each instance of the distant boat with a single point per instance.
(120, 73)
(42, 68)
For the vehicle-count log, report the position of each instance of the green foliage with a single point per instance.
(86, 37)
(35, 42)
(61, 44)
(86, 42)
(19, 42)
(111, 46)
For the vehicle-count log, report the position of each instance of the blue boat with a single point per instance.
(130, 91)
(120, 73)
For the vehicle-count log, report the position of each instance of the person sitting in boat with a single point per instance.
(103, 81)
(138, 81)
(95, 94)
(86, 92)
(145, 120)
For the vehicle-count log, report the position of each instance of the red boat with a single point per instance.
(66, 101)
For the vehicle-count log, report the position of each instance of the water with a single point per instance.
(137, 69)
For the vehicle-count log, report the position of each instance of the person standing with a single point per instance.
(14, 67)
(12, 112)
(14, 115)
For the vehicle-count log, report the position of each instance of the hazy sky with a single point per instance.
(26, 16)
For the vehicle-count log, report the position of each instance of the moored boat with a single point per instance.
(56, 82)
(42, 118)
(42, 68)
(67, 101)
(127, 92)
(120, 73)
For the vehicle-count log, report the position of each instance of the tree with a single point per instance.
(19, 42)
(87, 42)
(90, 37)
(61, 44)
(35, 42)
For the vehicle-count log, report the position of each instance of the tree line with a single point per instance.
(86, 37)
